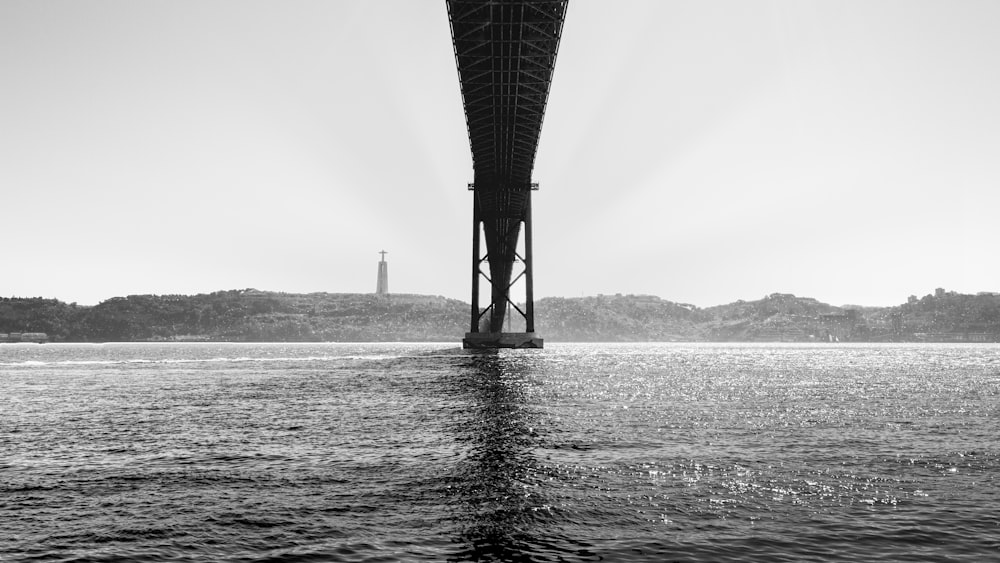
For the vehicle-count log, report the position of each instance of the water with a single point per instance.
(387, 452)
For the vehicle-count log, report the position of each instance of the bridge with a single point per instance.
(505, 51)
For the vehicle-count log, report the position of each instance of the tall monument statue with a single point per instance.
(383, 276)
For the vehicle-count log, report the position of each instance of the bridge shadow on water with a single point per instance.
(498, 492)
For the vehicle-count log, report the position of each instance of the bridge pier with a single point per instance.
(501, 261)
(505, 52)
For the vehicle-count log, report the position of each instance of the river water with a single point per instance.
(425, 452)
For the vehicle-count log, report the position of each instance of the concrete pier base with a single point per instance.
(479, 340)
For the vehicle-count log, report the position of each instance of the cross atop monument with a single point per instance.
(383, 253)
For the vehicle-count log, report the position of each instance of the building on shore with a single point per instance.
(14, 337)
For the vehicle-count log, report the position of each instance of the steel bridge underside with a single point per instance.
(505, 52)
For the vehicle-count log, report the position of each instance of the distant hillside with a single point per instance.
(944, 316)
(243, 316)
(617, 318)
(777, 317)
(250, 316)
(941, 317)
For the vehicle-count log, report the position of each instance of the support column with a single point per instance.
(476, 226)
(495, 337)
(529, 270)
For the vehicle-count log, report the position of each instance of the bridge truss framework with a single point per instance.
(505, 51)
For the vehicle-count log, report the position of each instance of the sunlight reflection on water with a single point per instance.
(364, 452)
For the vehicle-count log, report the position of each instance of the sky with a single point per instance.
(702, 151)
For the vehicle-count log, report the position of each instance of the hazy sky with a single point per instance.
(703, 151)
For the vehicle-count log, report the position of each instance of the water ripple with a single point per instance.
(574, 453)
